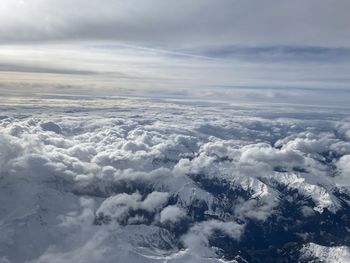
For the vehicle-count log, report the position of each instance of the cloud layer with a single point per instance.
(197, 22)
(274, 75)
(273, 50)
(152, 181)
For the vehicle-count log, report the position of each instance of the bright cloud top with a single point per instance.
(152, 181)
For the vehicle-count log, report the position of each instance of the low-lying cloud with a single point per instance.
(95, 182)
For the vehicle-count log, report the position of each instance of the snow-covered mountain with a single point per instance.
(130, 180)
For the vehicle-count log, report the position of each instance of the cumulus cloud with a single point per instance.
(265, 154)
(198, 236)
(118, 207)
(326, 254)
(100, 181)
(171, 214)
(343, 166)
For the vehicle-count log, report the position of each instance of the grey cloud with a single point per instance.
(38, 69)
(220, 50)
(90, 69)
(195, 22)
(268, 54)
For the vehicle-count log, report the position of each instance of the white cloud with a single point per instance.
(117, 207)
(154, 201)
(337, 254)
(198, 236)
(343, 166)
(141, 164)
(171, 214)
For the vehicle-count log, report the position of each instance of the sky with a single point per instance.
(174, 130)
(245, 50)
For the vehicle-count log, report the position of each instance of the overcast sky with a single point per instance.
(195, 22)
(178, 44)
